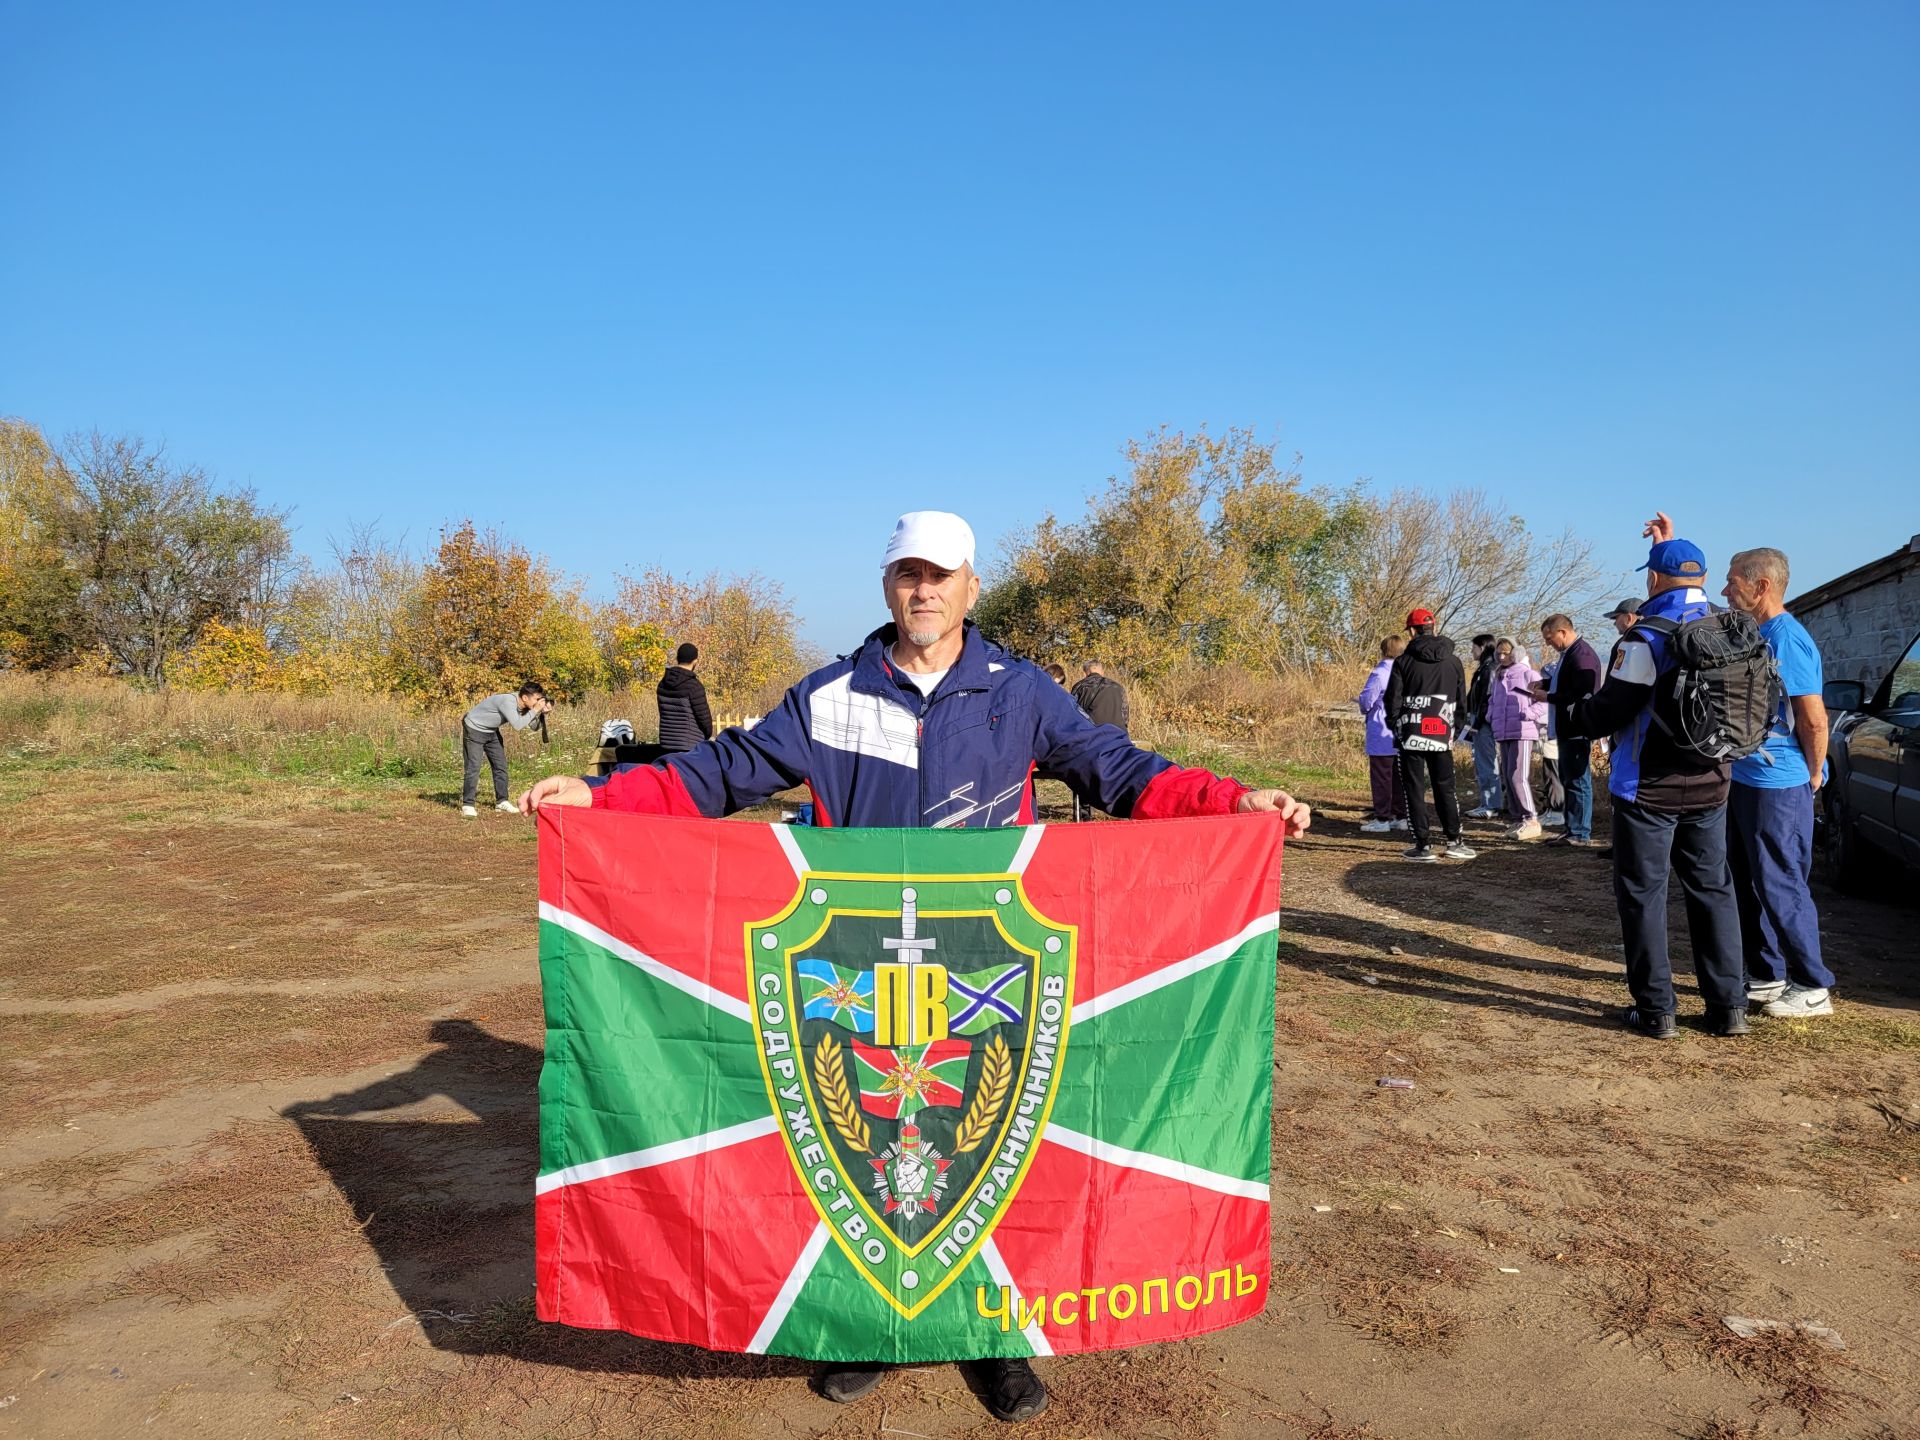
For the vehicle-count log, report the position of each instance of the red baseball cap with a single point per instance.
(1419, 617)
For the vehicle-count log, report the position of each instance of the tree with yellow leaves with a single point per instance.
(743, 624)
(488, 615)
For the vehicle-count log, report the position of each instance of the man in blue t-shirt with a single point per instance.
(1770, 807)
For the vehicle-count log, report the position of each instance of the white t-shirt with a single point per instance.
(923, 683)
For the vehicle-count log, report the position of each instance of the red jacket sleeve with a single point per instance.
(1177, 792)
(646, 790)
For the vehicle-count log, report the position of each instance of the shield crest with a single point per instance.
(911, 1028)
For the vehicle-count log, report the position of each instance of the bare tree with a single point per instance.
(1464, 559)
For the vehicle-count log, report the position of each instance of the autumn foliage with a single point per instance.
(114, 560)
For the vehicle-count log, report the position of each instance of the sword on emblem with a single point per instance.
(910, 996)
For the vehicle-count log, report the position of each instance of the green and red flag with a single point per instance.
(901, 1095)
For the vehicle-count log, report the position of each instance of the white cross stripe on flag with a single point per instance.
(777, 1313)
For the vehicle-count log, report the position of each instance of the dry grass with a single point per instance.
(275, 893)
(1262, 728)
(1848, 1031)
(256, 1186)
(121, 1058)
(84, 1174)
(1801, 1374)
(90, 721)
(1383, 1270)
(1718, 1427)
(1325, 1427)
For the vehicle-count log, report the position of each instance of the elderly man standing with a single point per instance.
(927, 723)
(1770, 808)
(1669, 808)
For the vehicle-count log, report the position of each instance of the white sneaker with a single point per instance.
(1376, 827)
(508, 806)
(468, 811)
(1526, 830)
(1402, 825)
(1765, 991)
(1798, 1002)
(1554, 819)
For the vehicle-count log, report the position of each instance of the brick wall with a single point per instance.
(1861, 633)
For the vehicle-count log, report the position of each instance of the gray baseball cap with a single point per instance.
(1625, 607)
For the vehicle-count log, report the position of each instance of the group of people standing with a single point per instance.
(1508, 714)
(1730, 813)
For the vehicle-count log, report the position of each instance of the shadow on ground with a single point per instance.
(447, 1205)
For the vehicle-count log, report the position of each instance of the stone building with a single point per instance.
(1863, 621)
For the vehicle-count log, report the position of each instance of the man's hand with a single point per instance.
(556, 790)
(1297, 814)
(1659, 528)
(1538, 690)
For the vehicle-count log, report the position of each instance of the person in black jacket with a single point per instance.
(1104, 700)
(684, 718)
(1426, 696)
(1577, 677)
(1477, 732)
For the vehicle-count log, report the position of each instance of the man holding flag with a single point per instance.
(927, 724)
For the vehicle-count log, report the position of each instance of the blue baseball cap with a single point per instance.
(1680, 558)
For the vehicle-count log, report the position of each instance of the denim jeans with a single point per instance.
(1576, 777)
(1486, 768)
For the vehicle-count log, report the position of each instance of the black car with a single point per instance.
(1873, 788)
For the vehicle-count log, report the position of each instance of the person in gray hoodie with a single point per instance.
(480, 740)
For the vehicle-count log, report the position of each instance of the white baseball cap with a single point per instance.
(934, 535)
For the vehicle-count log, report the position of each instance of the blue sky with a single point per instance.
(757, 278)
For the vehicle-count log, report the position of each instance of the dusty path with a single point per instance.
(267, 1127)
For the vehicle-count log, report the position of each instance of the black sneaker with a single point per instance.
(1013, 1391)
(844, 1384)
(1418, 852)
(1727, 1022)
(1654, 1027)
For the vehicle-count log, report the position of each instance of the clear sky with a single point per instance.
(731, 286)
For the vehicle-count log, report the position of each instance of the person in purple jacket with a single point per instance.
(1577, 677)
(1383, 756)
(1518, 720)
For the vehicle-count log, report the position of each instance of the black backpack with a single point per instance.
(1718, 701)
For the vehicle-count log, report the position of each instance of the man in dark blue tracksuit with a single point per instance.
(1669, 810)
(927, 723)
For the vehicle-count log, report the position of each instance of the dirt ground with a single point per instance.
(268, 1132)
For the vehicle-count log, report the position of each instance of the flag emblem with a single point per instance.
(915, 1074)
